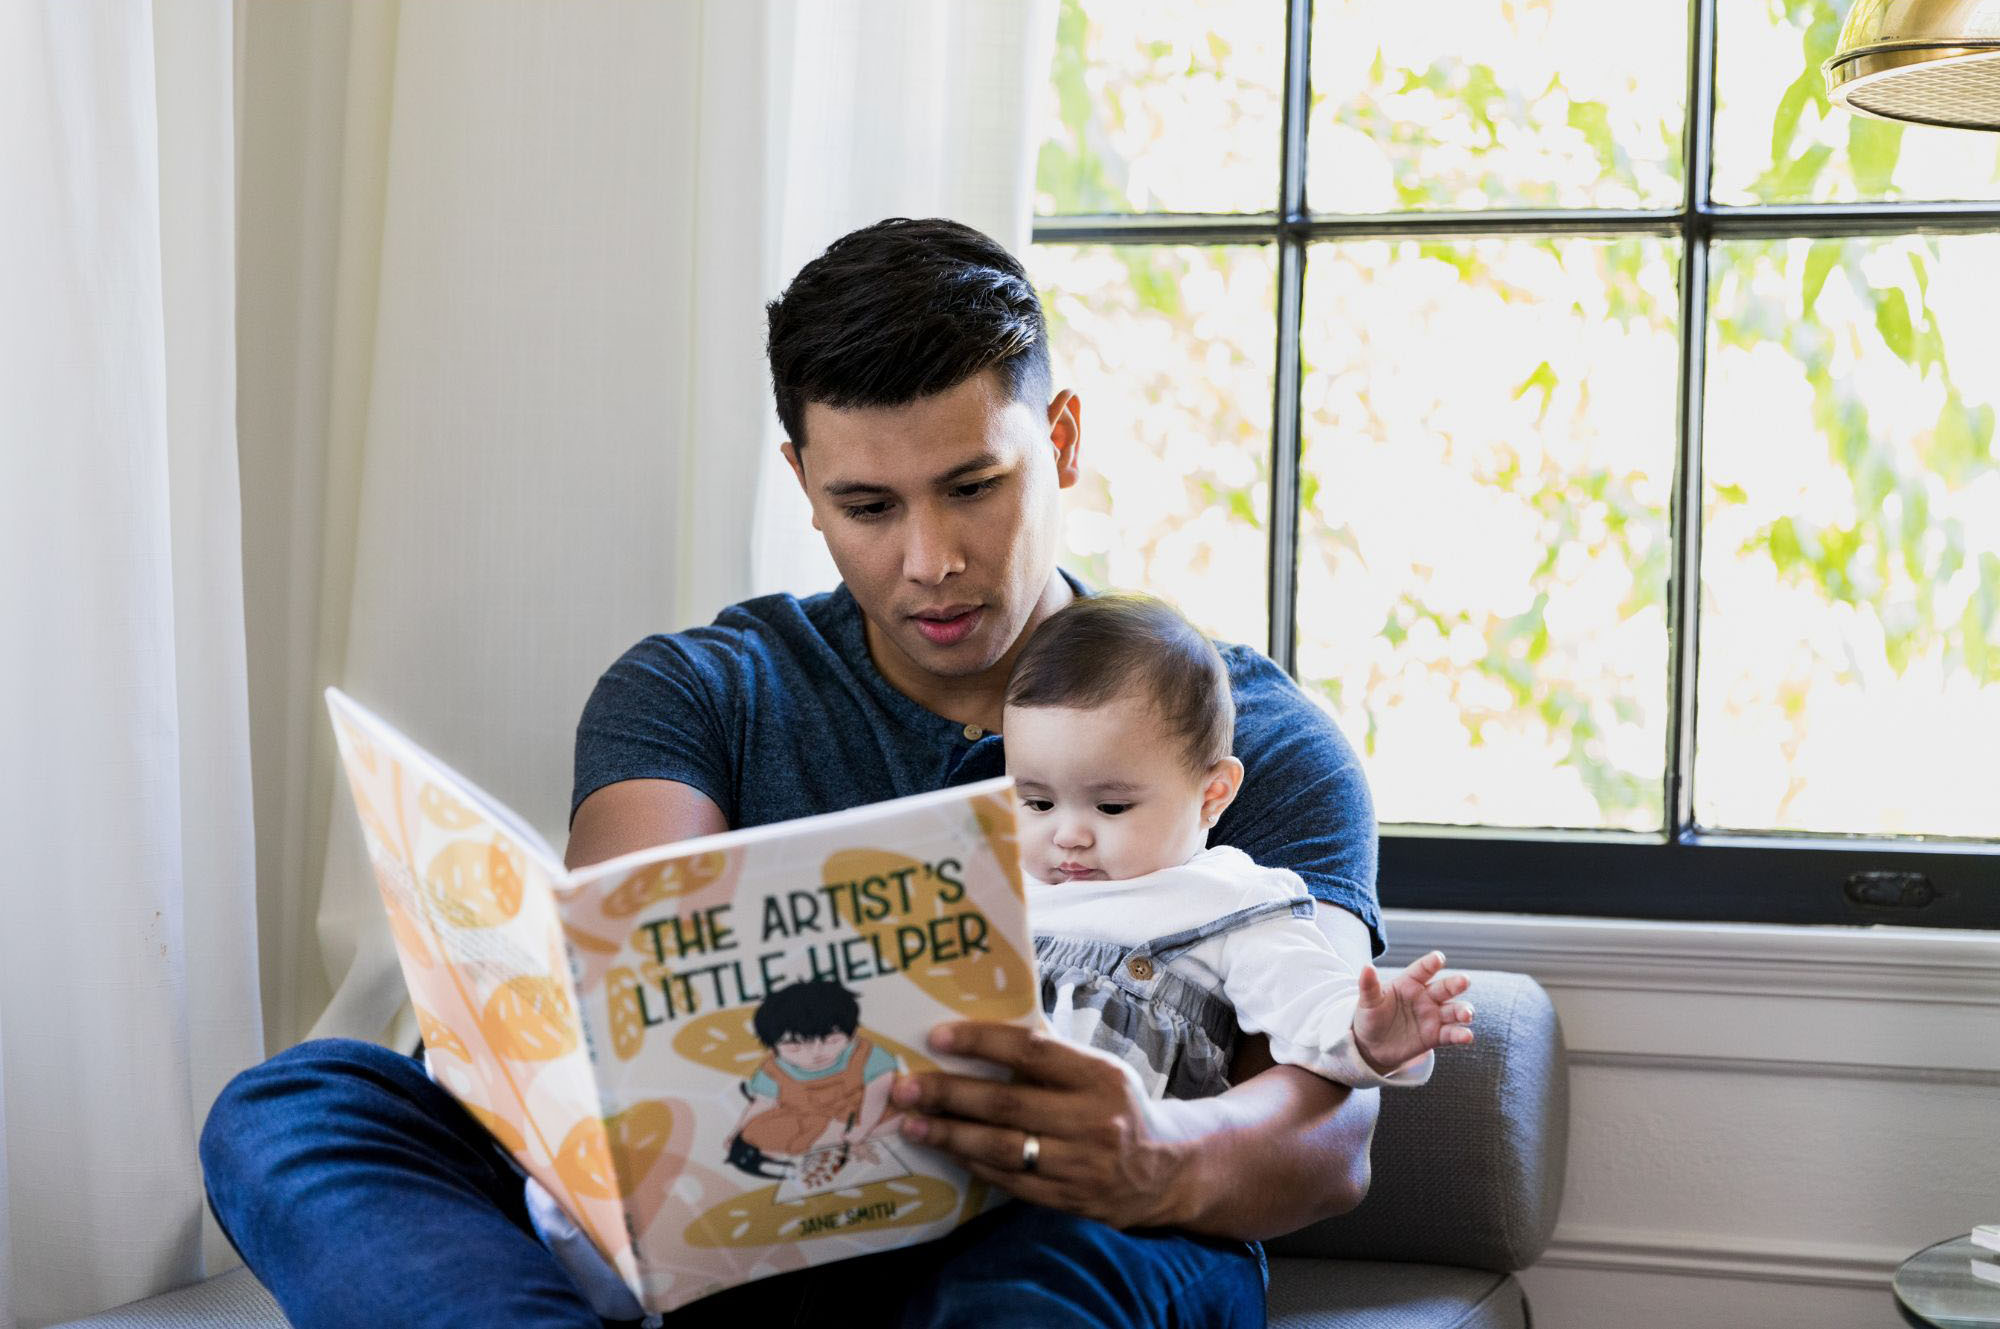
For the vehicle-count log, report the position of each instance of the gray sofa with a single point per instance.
(1468, 1175)
(1468, 1179)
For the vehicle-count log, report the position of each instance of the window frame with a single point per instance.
(1685, 872)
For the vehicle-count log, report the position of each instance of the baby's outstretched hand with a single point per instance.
(1412, 1013)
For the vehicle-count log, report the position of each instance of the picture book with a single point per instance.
(691, 1047)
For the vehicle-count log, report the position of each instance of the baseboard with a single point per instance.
(1736, 959)
(1695, 1256)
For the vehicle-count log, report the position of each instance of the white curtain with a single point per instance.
(890, 108)
(128, 963)
(505, 407)
(415, 348)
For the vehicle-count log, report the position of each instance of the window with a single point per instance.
(1595, 421)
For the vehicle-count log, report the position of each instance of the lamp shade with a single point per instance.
(1928, 62)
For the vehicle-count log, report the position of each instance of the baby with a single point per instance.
(1152, 946)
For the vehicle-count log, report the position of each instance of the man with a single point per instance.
(910, 367)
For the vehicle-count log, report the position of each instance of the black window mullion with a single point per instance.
(1684, 581)
(1288, 378)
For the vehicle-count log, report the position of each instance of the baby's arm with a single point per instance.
(1412, 1013)
(1284, 980)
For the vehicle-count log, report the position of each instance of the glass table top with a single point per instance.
(1940, 1286)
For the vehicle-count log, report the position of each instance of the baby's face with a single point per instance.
(1105, 793)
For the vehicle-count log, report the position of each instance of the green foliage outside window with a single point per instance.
(1851, 519)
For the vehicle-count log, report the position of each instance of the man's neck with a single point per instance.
(974, 699)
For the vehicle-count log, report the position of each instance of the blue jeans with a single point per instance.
(363, 1195)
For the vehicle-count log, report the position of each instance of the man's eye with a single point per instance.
(1037, 804)
(976, 488)
(865, 511)
(1113, 809)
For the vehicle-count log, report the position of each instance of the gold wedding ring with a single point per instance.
(1031, 1152)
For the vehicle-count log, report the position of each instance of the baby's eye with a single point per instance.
(1113, 809)
(1037, 804)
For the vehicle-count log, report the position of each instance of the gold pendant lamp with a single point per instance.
(1928, 62)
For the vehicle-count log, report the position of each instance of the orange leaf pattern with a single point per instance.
(664, 881)
(529, 1019)
(439, 1038)
(445, 810)
(474, 885)
(501, 1129)
(628, 1022)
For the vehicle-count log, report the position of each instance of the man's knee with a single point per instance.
(260, 1106)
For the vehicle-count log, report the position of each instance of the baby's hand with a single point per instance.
(1413, 1013)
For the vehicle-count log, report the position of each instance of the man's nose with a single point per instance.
(931, 551)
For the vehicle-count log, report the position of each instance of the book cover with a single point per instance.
(691, 1046)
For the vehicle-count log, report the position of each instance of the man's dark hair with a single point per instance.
(811, 1009)
(902, 310)
(1097, 646)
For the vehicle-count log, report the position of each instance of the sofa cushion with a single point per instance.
(1467, 1170)
(1305, 1294)
(234, 1300)
(1362, 1294)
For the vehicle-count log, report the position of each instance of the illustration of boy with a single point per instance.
(822, 1085)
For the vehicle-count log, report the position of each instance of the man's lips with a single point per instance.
(949, 625)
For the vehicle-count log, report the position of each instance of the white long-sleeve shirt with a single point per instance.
(1281, 975)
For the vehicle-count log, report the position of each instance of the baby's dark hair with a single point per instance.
(811, 1009)
(1097, 646)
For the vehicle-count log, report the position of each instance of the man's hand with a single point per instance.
(1104, 1152)
(1411, 1014)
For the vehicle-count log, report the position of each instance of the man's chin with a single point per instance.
(962, 659)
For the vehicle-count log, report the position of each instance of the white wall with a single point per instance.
(1763, 1120)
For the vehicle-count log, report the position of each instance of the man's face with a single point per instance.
(942, 517)
(815, 1053)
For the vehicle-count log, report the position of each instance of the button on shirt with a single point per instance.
(777, 711)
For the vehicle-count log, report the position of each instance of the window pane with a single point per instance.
(1778, 139)
(1850, 640)
(1170, 349)
(1471, 104)
(1163, 108)
(1489, 452)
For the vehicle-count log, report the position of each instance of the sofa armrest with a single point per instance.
(1467, 1170)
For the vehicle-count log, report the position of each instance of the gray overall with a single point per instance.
(1129, 1001)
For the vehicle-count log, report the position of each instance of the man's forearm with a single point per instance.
(1281, 1149)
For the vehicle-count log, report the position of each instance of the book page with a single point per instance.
(748, 999)
(472, 908)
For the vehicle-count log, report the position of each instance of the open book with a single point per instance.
(691, 1046)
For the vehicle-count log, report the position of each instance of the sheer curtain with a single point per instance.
(411, 347)
(128, 963)
(891, 108)
(519, 383)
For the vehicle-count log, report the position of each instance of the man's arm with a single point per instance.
(1319, 1163)
(638, 814)
(1280, 1149)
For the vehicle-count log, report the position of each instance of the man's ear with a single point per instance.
(791, 452)
(1066, 436)
(1224, 779)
